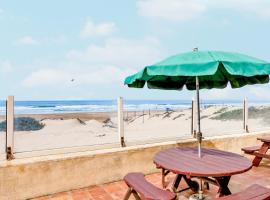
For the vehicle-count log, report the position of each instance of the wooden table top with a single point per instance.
(213, 163)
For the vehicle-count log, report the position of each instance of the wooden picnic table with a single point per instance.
(215, 166)
(259, 151)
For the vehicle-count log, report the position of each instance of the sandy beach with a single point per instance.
(80, 129)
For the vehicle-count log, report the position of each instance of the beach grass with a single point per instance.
(237, 114)
(24, 124)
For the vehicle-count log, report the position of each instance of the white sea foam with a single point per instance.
(51, 107)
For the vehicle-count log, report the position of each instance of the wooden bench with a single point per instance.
(254, 192)
(258, 151)
(142, 189)
(264, 139)
(251, 150)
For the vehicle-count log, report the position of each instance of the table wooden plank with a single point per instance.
(226, 160)
(213, 163)
(184, 162)
(208, 163)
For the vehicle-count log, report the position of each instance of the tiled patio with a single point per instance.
(116, 190)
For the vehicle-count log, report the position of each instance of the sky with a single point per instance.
(84, 49)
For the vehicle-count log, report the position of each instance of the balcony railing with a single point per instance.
(133, 127)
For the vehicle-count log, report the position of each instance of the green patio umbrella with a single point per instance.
(202, 70)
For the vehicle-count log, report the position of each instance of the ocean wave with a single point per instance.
(51, 107)
(43, 106)
(41, 109)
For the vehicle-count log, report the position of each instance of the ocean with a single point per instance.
(75, 106)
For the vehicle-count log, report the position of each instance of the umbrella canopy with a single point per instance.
(214, 69)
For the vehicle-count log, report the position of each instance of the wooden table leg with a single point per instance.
(193, 185)
(163, 178)
(223, 182)
(164, 173)
(256, 161)
(176, 182)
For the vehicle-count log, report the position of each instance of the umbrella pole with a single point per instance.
(199, 134)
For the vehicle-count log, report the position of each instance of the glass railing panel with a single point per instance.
(221, 119)
(155, 121)
(259, 117)
(46, 125)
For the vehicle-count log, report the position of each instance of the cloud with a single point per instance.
(54, 40)
(27, 40)
(5, 67)
(258, 8)
(62, 77)
(226, 93)
(253, 92)
(120, 52)
(175, 10)
(97, 65)
(259, 92)
(46, 77)
(103, 29)
(185, 10)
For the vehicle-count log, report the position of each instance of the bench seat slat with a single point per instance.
(251, 149)
(264, 139)
(145, 189)
(254, 192)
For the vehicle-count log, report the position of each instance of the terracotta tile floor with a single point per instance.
(116, 190)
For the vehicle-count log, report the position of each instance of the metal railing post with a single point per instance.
(121, 122)
(10, 127)
(245, 115)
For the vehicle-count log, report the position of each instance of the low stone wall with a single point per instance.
(33, 177)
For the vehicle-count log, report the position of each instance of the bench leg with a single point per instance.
(135, 194)
(127, 195)
(263, 150)
(129, 192)
(223, 182)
